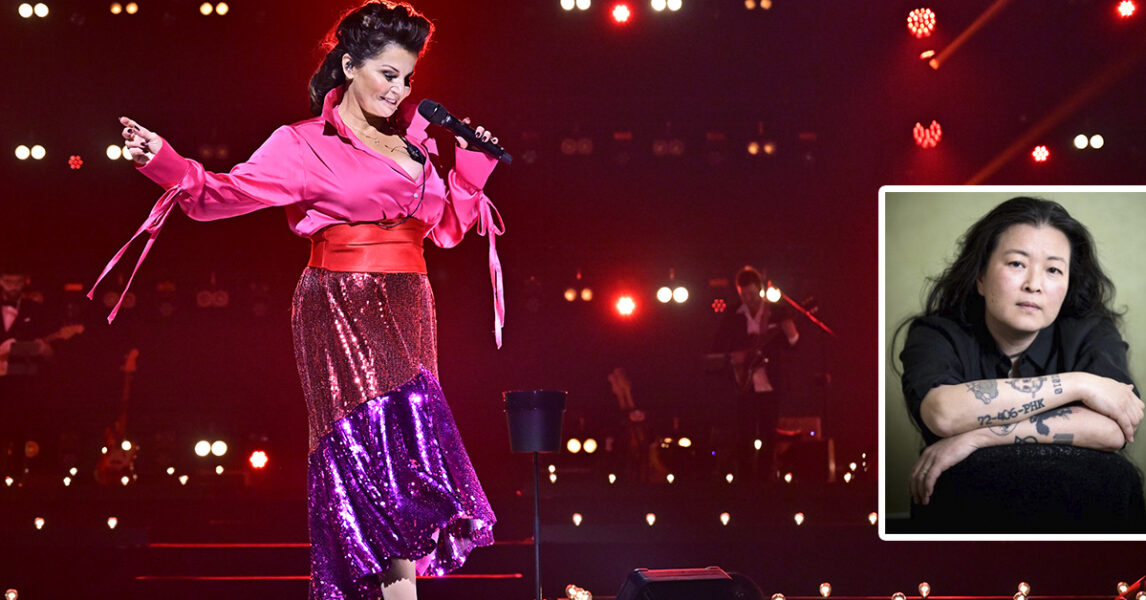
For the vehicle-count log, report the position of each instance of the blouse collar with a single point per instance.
(407, 113)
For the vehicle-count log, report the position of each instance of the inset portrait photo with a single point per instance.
(1012, 334)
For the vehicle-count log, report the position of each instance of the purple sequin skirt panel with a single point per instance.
(388, 476)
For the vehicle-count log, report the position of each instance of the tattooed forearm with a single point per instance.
(1066, 439)
(1002, 430)
(1028, 385)
(1011, 414)
(1056, 381)
(1040, 420)
(985, 390)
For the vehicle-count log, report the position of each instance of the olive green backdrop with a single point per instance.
(922, 229)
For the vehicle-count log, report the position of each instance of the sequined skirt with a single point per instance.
(388, 476)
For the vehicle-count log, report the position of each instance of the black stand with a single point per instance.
(534, 418)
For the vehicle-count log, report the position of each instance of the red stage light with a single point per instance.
(1040, 153)
(626, 306)
(75, 162)
(921, 22)
(1126, 9)
(258, 459)
(719, 305)
(621, 13)
(927, 137)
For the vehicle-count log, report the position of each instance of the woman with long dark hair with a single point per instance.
(392, 492)
(1018, 346)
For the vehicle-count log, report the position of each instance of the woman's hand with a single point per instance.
(141, 144)
(484, 134)
(936, 459)
(1115, 400)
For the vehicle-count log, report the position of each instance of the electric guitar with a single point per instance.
(116, 461)
(755, 355)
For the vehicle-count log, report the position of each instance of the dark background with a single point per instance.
(837, 86)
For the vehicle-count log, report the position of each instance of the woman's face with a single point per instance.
(381, 83)
(1025, 283)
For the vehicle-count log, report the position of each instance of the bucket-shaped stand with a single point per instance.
(534, 419)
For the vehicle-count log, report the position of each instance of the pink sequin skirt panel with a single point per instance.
(357, 336)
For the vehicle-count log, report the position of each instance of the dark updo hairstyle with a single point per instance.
(954, 293)
(363, 33)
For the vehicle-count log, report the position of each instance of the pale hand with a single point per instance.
(141, 143)
(1115, 400)
(482, 133)
(936, 459)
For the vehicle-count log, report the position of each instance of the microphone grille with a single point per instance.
(432, 111)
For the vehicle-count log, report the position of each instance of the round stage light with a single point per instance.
(586, 294)
(222, 8)
(773, 294)
(757, 444)
(26, 11)
(124, 153)
(258, 459)
(125, 445)
(583, 4)
(621, 13)
(589, 446)
(202, 448)
(567, 5)
(170, 470)
(553, 478)
(73, 471)
(11, 594)
(1040, 153)
(664, 295)
(684, 442)
(825, 589)
(116, 8)
(218, 469)
(23, 152)
(927, 137)
(570, 294)
(1122, 587)
(612, 478)
(872, 518)
(670, 478)
(8, 481)
(124, 480)
(659, 5)
(799, 518)
(1081, 141)
(1025, 588)
(651, 518)
(573, 445)
(847, 477)
(921, 22)
(219, 448)
(114, 152)
(753, 148)
(75, 162)
(729, 477)
(131, 8)
(182, 480)
(112, 522)
(898, 596)
(38, 522)
(680, 295)
(674, 5)
(41, 10)
(1126, 8)
(725, 518)
(67, 481)
(206, 9)
(626, 306)
(924, 588)
(1096, 141)
(552, 468)
(787, 478)
(577, 519)
(38, 152)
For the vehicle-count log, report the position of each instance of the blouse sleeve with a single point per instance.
(467, 204)
(273, 176)
(465, 200)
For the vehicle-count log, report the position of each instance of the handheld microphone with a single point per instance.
(438, 115)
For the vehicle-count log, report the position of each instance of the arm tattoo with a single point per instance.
(1028, 385)
(1002, 430)
(1040, 420)
(1056, 381)
(1011, 414)
(985, 390)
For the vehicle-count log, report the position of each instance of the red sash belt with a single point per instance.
(370, 248)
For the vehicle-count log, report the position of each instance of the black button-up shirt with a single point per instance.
(939, 351)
